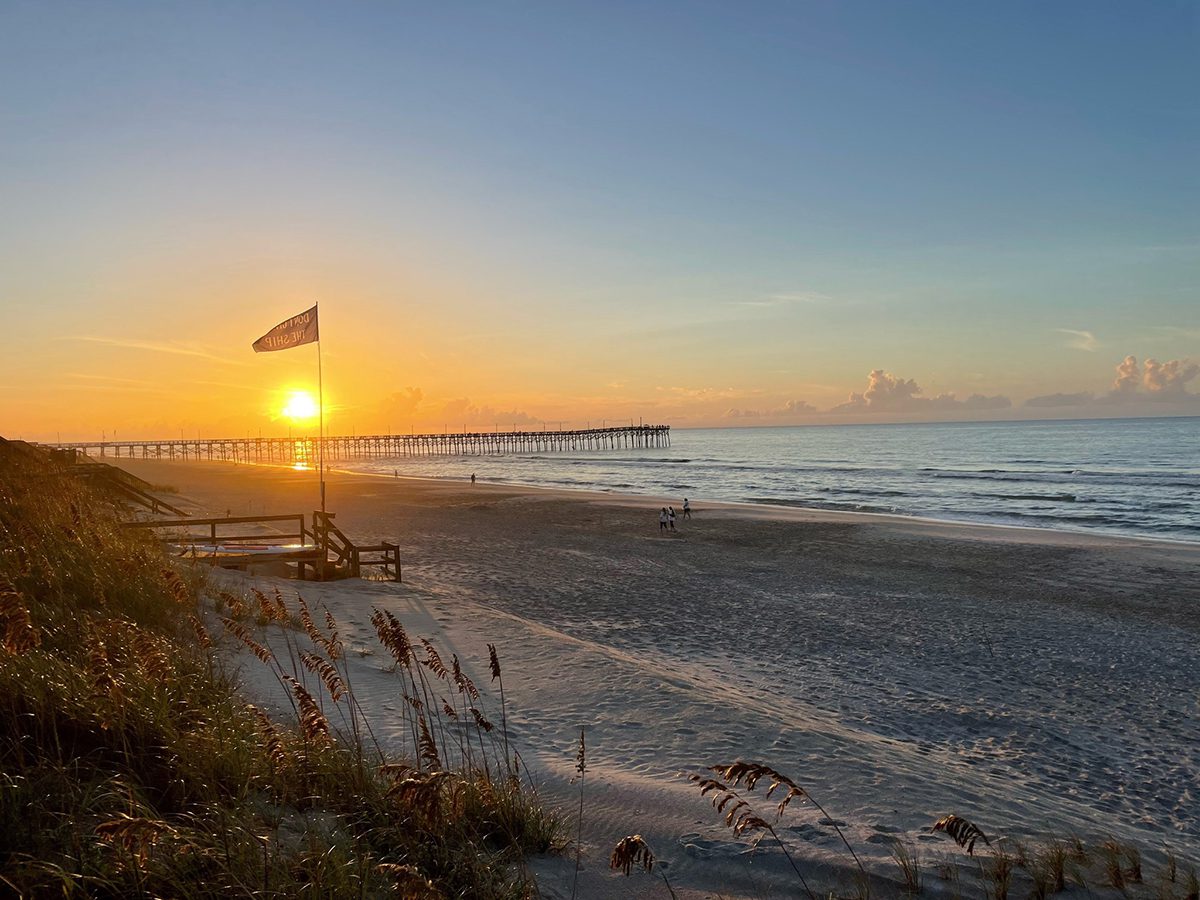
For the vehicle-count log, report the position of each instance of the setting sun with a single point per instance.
(300, 405)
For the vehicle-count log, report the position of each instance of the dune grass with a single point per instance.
(130, 766)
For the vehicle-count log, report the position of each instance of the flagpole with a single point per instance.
(321, 420)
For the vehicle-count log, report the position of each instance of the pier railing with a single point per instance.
(306, 450)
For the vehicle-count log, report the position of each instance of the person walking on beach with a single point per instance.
(662, 519)
(687, 509)
(671, 516)
(472, 478)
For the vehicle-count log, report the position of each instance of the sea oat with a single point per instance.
(313, 724)
(493, 661)
(433, 661)
(964, 832)
(630, 851)
(238, 630)
(135, 834)
(328, 674)
(428, 745)
(275, 748)
(481, 721)
(16, 626)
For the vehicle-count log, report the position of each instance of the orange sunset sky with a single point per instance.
(799, 213)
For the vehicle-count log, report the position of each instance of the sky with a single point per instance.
(527, 214)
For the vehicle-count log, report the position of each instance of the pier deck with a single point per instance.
(306, 449)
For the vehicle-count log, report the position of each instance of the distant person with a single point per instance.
(472, 478)
(662, 519)
(671, 516)
(396, 474)
(687, 509)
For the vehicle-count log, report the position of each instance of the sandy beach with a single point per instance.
(1036, 682)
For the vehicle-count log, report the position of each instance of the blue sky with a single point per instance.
(678, 209)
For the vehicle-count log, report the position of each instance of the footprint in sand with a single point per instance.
(703, 849)
(806, 832)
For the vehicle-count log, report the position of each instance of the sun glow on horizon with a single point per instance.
(300, 406)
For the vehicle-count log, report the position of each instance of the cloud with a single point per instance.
(1049, 401)
(787, 298)
(887, 393)
(463, 412)
(791, 408)
(1166, 332)
(1080, 340)
(1159, 381)
(403, 404)
(1128, 376)
(979, 401)
(175, 347)
(1152, 382)
(113, 379)
(704, 393)
(1168, 379)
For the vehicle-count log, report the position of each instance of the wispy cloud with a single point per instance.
(109, 388)
(110, 379)
(704, 393)
(174, 347)
(786, 298)
(228, 384)
(1165, 332)
(1080, 340)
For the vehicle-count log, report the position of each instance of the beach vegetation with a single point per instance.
(130, 765)
(964, 832)
(632, 852)
(581, 770)
(1048, 870)
(1111, 853)
(739, 815)
(908, 860)
(998, 872)
(1191, 885)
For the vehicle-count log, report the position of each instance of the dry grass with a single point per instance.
(1191, 885)
(1049, 870)
(999, 872)
(129, 765)
(908, 861)
(1111, 855)
(740, 816)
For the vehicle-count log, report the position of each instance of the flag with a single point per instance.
(299, 329)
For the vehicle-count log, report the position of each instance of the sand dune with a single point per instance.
(900, 670)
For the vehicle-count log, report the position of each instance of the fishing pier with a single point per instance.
(306, 450)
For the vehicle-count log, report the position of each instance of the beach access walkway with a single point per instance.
(321, 552)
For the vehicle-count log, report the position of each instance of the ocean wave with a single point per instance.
(865, 492)
(1062, 498)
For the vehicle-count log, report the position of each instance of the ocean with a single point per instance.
(1136, 477)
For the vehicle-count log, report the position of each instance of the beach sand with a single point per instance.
(1036, 682)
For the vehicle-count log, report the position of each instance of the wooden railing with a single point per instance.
(324, 551)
